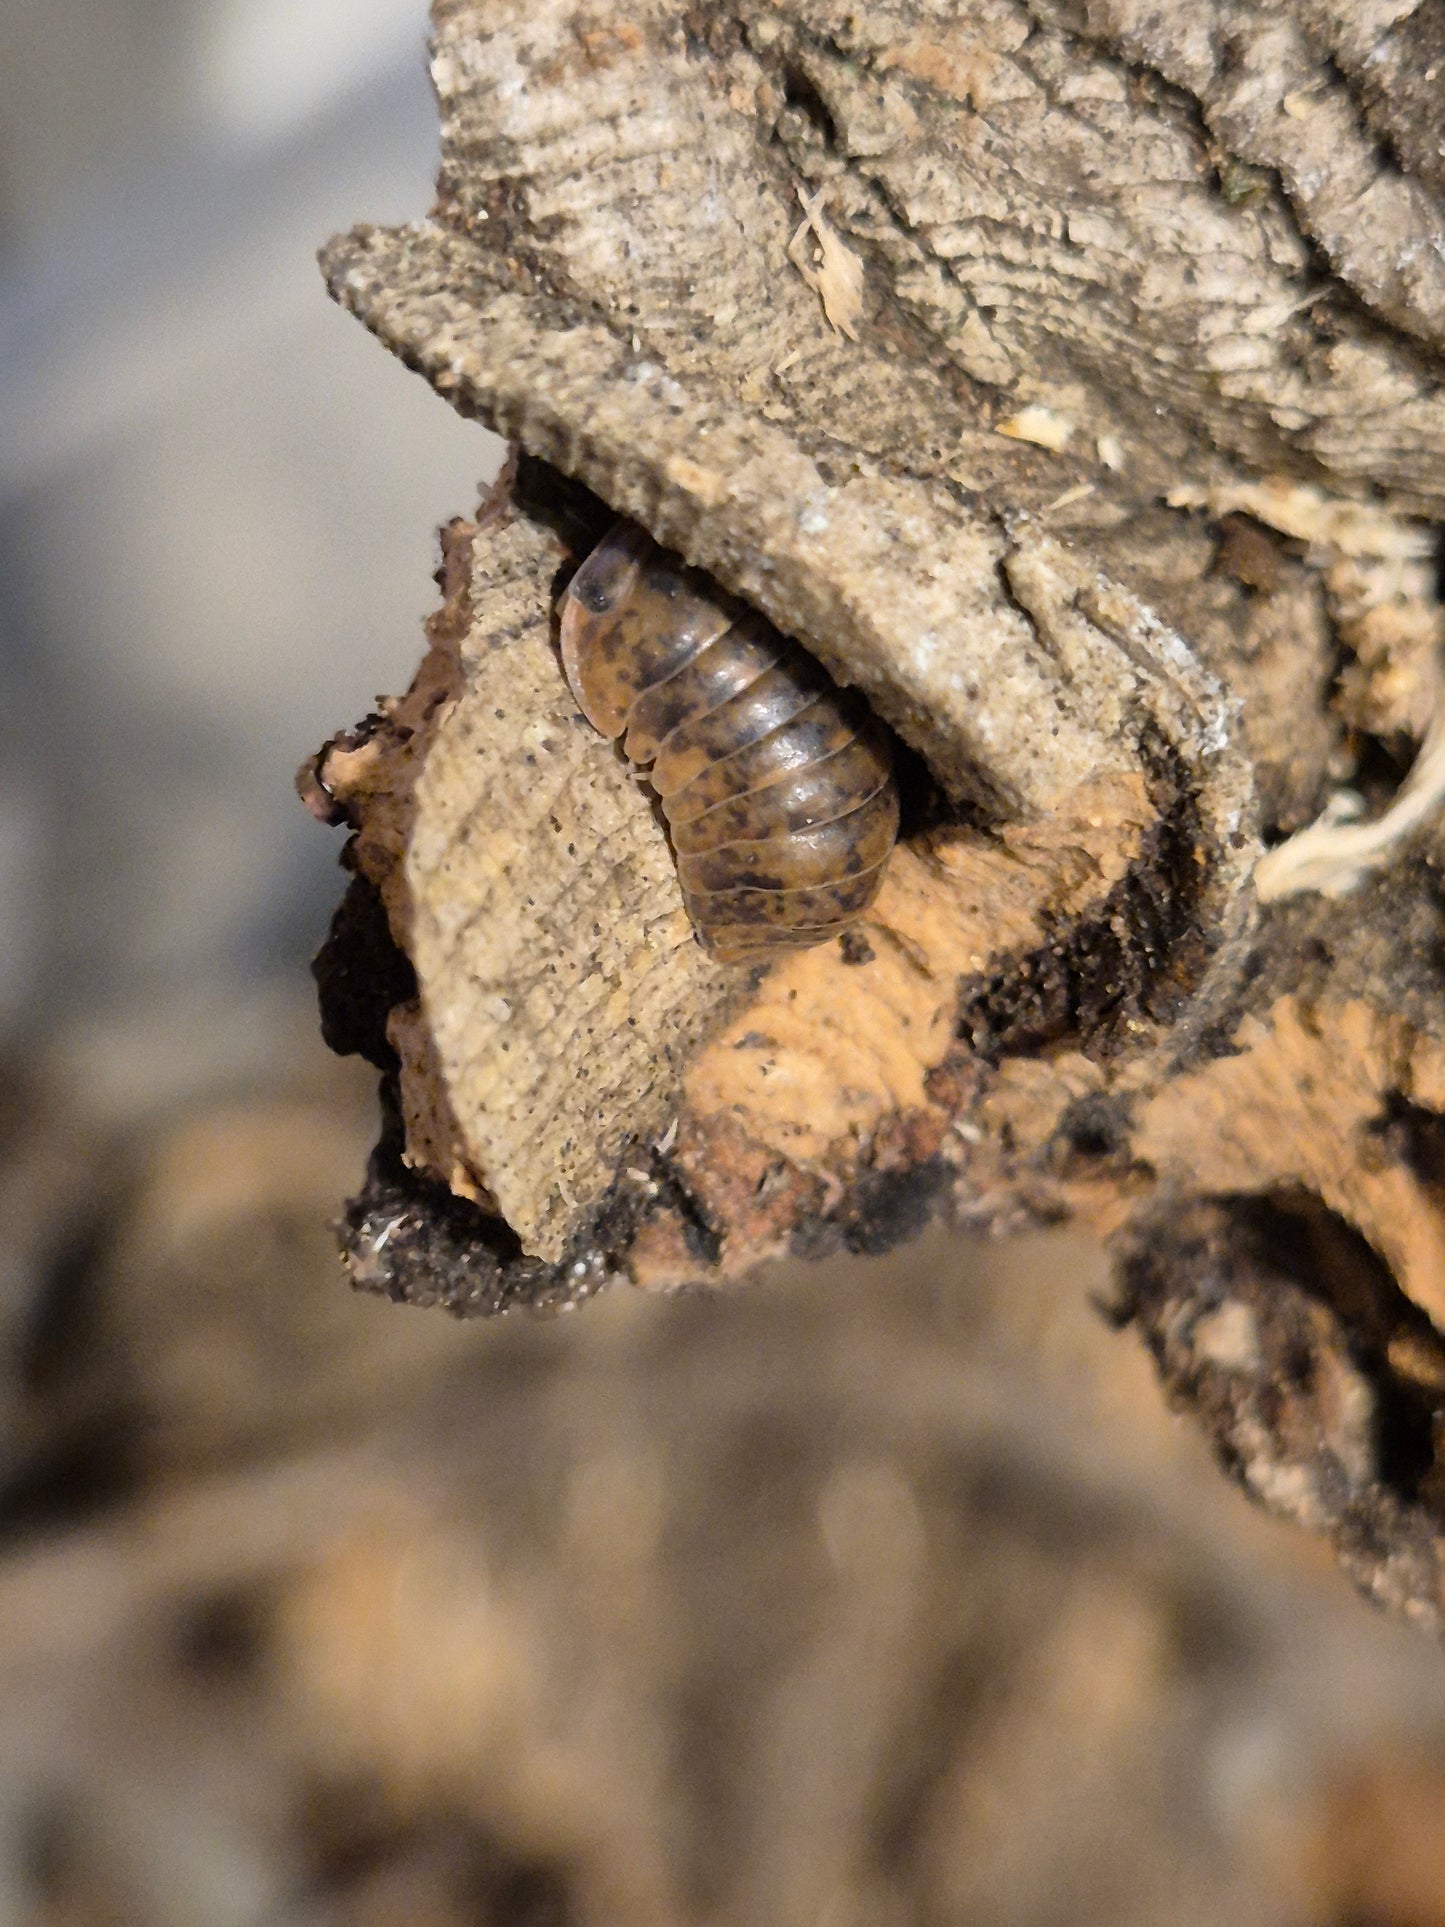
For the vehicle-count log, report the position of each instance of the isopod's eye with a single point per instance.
(608, 574)
(595, 596)
(599, 589)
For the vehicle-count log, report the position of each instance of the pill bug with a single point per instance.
(777, 786)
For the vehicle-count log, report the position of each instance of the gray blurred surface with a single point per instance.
(888, 1593)
(217, 498)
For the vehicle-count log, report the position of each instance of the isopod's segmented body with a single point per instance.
(777, 785)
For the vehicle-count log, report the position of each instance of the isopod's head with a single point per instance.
(632, 616)
(594, 640)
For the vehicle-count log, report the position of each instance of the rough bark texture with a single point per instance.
(1068, 378)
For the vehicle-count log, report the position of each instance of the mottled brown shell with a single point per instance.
(777, 785)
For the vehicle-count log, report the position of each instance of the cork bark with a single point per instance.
(1070, 379)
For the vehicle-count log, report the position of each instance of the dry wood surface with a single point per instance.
(1069, 380)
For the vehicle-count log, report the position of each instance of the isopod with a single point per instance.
(777, 786)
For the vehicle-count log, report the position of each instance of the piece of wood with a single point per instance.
(1070, 383)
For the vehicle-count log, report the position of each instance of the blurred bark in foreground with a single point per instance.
(886, 1591)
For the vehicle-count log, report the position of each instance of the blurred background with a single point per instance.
(883, 1593)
